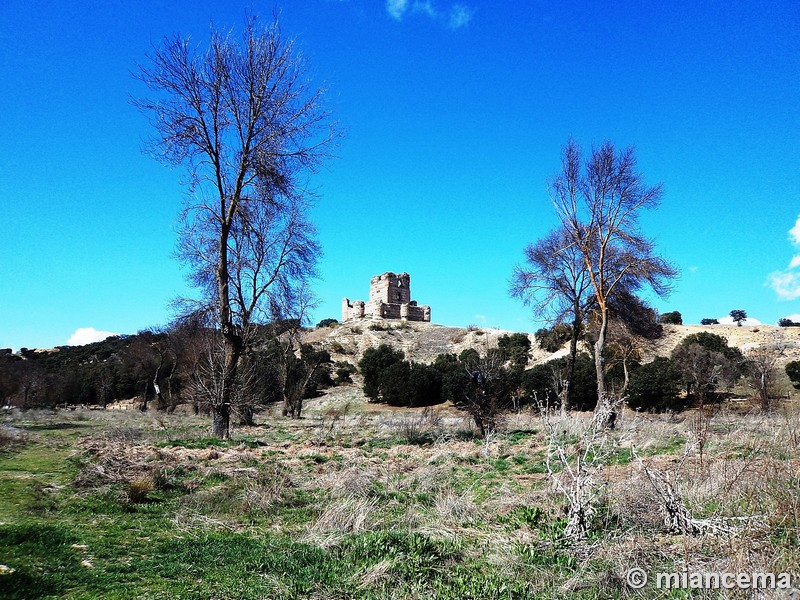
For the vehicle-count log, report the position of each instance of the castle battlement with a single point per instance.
(389, 298)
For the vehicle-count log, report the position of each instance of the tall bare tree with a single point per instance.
(599, 201)
(243, 120)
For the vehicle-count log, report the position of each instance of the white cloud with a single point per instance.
(397, 8)
(729, 321)
(88, 335)
(425, 7)
(786, 283)
(794, 232)
(460, 16)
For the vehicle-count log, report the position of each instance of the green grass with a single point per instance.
(440, 521)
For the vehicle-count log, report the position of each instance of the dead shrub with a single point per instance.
(576, 469)
(267, 489)
(419, 427)
(10, 437)
(139, 488)
(457, 509)
(124, 434)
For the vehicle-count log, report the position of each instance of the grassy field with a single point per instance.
(356, 501)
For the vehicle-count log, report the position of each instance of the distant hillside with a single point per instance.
(424, 341)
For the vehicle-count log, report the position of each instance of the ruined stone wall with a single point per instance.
(389, 298)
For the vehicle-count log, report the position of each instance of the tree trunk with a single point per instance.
(627, 380)
(247, 415)
(293, 405)
(143, 405)
(603, 401)
(298, 407)
(221, 413)
(573, 357)
(599, 360)
(221, 421)
(764, 393)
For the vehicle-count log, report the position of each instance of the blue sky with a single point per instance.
(454, 114)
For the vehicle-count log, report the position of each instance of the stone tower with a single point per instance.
(389, 298)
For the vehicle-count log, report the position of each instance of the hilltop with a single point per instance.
(422, 342)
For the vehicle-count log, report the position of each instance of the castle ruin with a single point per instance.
(389, 298)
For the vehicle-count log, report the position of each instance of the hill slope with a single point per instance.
(424, 341)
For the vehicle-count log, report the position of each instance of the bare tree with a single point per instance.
(484, 396)
(555, 283)
(599, 203)
(293, 366)
(705, 371)
(243, 120)
(760, 369)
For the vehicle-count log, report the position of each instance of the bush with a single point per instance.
(139, 488)
(425, 385)
(481, 386)
(538, 385)
(539, 382)
(709, 322)
(552, 339)
(793, 371)
(671, 318)
(515, 348)
(344, 370)
(327, 323)
(453, 375)
(374, 364)
(714, 343)
(655, 386)
(788, 323)
(391, 379)
(337, 348)
(394, 386)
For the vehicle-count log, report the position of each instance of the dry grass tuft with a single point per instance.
(351, 514)
(261, 494)
(376, 575)
(457, 509)
(10, 437)
(140, 487)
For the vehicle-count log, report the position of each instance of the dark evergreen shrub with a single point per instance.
(671, 318)
(515, 347)
(793, 371)
(655, 387)
(553, 338)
